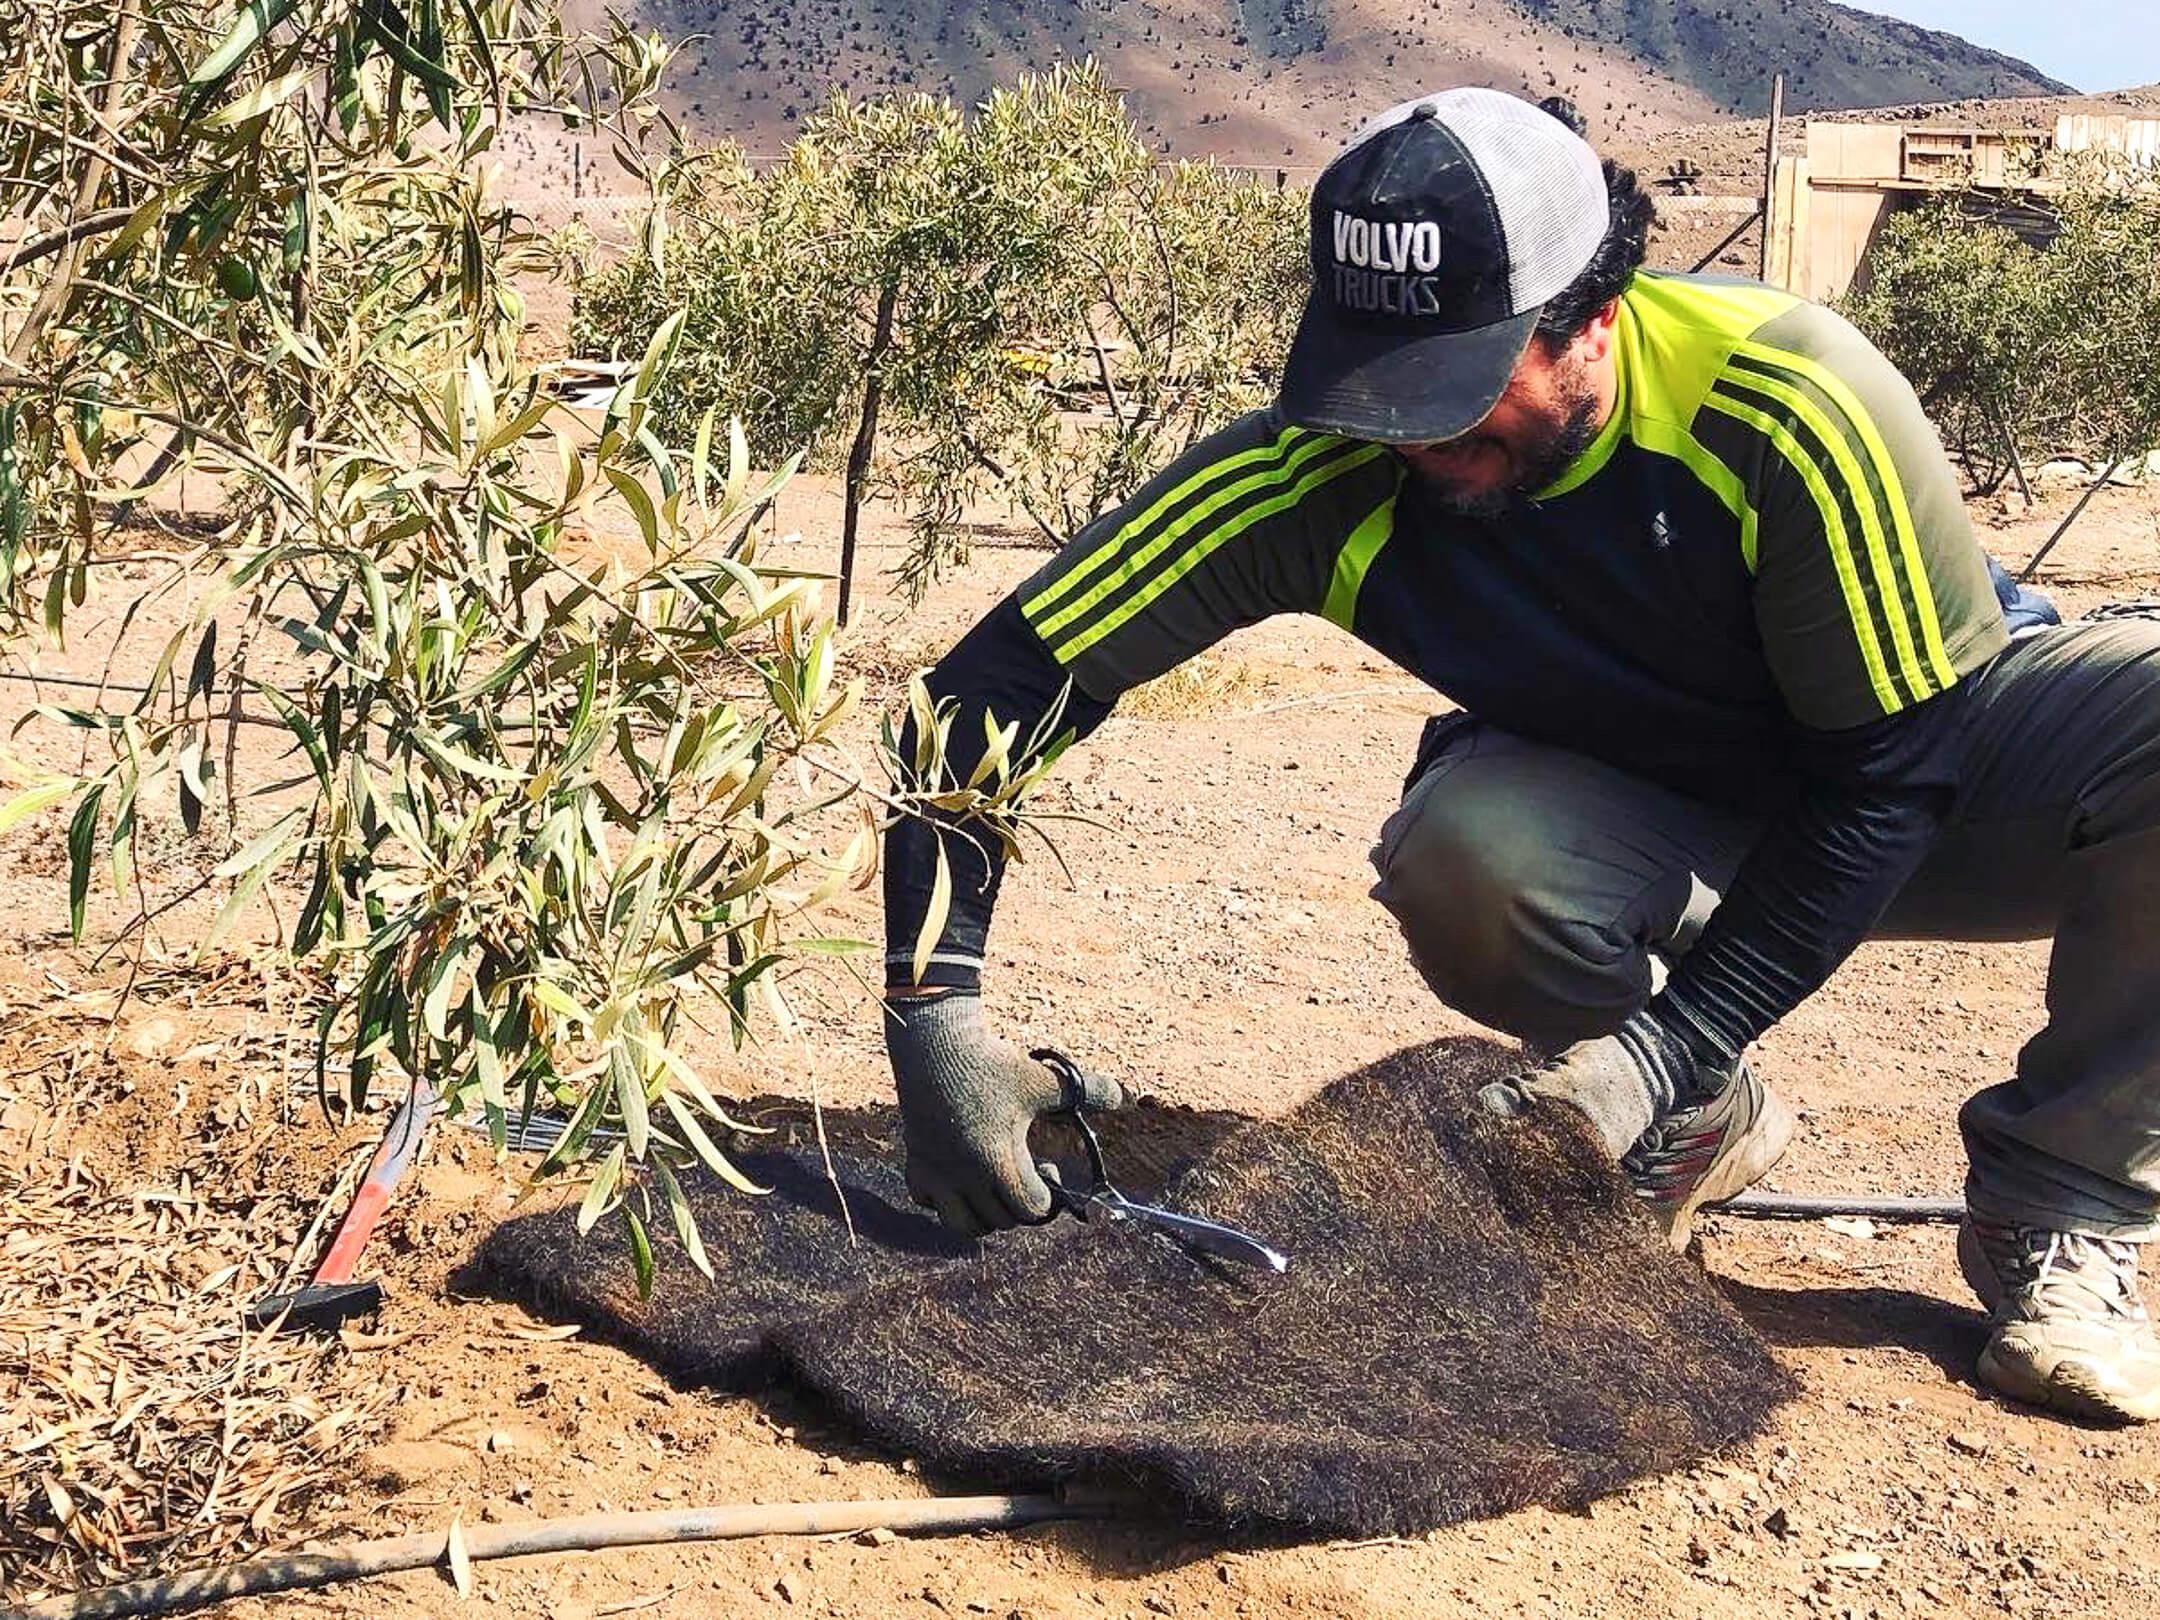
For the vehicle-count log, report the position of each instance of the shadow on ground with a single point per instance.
(1870, 1318)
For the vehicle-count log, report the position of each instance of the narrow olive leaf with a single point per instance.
(460, 1560)
(482, 44)
(997, 750)
(256, 19)
(575, 1135)
(400, 49)
(640, 503)
(660, 354)
(56, 589)
(738, 466)
(435, 1005)
(30, 802)
(195, 770)
(557, 1000)
(229, 913)
(263, 98)
(314, 911)
(487, 1065)
(258, 847)
(629, 1079)
(480, 394)
(82, 840)
(203, 672)
(519, 425)
(641, 1256)
(933, 923)
(701, 456)
(702, 1145)
(595, 1202)
(685, 1221)
(303, 728)
(922, 715)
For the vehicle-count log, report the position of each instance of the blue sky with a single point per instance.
(2093, 44)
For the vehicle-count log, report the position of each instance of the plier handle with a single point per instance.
(1101, 1200)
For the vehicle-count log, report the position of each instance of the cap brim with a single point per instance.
(1367, 382)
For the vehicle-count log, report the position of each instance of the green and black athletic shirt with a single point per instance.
(1766, 531)
(1765, 541)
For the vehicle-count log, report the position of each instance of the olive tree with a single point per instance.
(567, 749)
(1011, 303)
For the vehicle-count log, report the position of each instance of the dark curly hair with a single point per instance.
(1630, 211)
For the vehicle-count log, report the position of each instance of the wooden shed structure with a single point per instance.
(1825, 207)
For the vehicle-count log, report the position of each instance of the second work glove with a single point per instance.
(967, 1098)
(1621, 1082)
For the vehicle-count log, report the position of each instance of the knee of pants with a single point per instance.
(1495, 937)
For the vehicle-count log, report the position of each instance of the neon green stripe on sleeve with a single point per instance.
(1353, 561)
(1207, 546)
(1834, 532)
(1107, 551)
(1863, 502)
(1137, 563)
(1916, 573)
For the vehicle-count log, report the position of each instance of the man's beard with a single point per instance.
(1565, 437)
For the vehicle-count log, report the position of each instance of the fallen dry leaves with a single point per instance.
(142, 1426)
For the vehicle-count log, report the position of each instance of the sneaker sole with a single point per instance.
(2070, 1387)
(1746, 1162)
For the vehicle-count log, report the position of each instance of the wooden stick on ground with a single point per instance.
(2069, 518)
(355, 1560)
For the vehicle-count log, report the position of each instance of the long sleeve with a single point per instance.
(1248, 523)
(1824, 871)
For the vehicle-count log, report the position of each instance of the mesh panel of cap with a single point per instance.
(1547, 186)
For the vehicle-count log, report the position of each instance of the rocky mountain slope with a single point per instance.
(1282, 81)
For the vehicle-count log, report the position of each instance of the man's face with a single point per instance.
(1552, 408)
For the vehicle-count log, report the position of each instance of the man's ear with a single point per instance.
(1594, 342)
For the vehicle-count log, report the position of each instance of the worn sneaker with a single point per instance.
(1708, 1153)
(2071, 1332)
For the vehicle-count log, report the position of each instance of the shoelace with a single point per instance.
(2093, 1277)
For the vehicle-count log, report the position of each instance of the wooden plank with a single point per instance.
(1841, 221)
(1770, 162)
(1719, 207)
(1854, 151)
(2138, 138)
(1786, 229)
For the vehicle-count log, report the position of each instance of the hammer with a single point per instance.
(333, 1297)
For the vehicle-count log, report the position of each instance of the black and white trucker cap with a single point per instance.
(1437, 237)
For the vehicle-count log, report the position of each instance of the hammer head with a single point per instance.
(319, 1307)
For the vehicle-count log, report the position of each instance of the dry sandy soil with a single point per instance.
(1216, 945)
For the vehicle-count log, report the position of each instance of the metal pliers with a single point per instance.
(1100, 1200)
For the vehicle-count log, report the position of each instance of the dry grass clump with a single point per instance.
(1208, 684)
(141, 1427)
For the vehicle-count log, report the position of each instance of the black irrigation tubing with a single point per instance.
(356, 1560)
(1773, 1206)
(1727, 241)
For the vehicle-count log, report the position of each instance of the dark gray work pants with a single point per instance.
(1535, 885)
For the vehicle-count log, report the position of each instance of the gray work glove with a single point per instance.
(1621, 1082)
(967, 1099)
